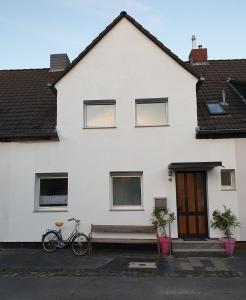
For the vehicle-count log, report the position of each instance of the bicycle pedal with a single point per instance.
(60, 245)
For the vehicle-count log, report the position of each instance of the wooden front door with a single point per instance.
(191, 204)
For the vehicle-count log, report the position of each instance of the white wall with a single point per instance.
(124, 66)
(241, 184)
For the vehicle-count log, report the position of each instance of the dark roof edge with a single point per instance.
(231, 84)
(122, 15)
(194, 166)
(218, 60)
(30, 136)
(237, 81)
(26, 69)
(199, 83)
(220, 133)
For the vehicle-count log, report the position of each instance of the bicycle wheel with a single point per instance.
(49, 241)
(80, 244)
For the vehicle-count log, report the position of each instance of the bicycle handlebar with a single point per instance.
(73, 219)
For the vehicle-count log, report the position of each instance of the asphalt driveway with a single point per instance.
(107, 288)
(119, 274)
(14, 262)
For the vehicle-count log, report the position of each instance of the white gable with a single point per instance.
(125, 49)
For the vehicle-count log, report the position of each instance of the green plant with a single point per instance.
(161, 218)
(225, 221)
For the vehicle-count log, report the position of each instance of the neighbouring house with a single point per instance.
(124, 126)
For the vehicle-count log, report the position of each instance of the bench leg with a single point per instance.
(158, 247)
(90, 242)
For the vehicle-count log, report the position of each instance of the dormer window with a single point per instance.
(215, 108)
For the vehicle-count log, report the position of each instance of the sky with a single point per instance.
(30, 30)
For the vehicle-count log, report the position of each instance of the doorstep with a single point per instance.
(194, 248)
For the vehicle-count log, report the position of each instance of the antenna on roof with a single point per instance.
(193, 38)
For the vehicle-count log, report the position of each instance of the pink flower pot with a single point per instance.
(229, 245)
(165, 244)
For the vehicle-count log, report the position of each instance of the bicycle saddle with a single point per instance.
(59, 223)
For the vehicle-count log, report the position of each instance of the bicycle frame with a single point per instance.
(70, 237)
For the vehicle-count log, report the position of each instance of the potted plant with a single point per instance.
(226, 221)
(161, 218)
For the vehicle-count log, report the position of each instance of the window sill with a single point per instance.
(229, 189)
(51, 209)
(127, 208)
(110, 127)
(139, 126)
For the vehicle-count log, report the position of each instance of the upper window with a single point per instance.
(215, 108)
(228, 181)
(51, 190)
(99, 114)
(126, 189)
(151, 112)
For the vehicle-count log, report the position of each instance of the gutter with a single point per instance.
(31, 136)
(199, 83)
(220, 133)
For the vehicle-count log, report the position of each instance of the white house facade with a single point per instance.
(127, 134)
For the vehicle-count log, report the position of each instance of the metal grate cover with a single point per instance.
(142, 265)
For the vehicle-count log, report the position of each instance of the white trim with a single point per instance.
(37, 207)
(231, 187)
(51, 209)
(86, 103)
(153, 101)
(125, 207)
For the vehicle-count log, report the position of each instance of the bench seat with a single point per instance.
(123, 241)
(130, 229)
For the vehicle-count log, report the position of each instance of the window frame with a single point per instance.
(113, 207)
(233, 180)
(152, 101)
(37, 207)
(216, 113)
(98, 102)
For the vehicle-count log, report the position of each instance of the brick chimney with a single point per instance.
(198, 55)
(58, 62)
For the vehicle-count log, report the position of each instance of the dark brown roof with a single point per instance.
(27, 104)
(28, 101)
(122, 15)
(221, 75)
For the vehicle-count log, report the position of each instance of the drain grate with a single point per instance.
(142, 265)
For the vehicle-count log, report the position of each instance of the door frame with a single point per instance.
(186, 205)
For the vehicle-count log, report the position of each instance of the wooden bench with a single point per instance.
(124, 229)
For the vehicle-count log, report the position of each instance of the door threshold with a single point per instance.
(195, 239)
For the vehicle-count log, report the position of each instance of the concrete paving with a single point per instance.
(15, 262)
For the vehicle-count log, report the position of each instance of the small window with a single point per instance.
(99, 114)
(215, 108)
(151, 112)
(126, 189)
(228, 179)
(51, 191)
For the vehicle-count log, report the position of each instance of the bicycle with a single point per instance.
(53, 239)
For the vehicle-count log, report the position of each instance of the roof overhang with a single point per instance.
(29, 136)
(194, 166)
(220, 133)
